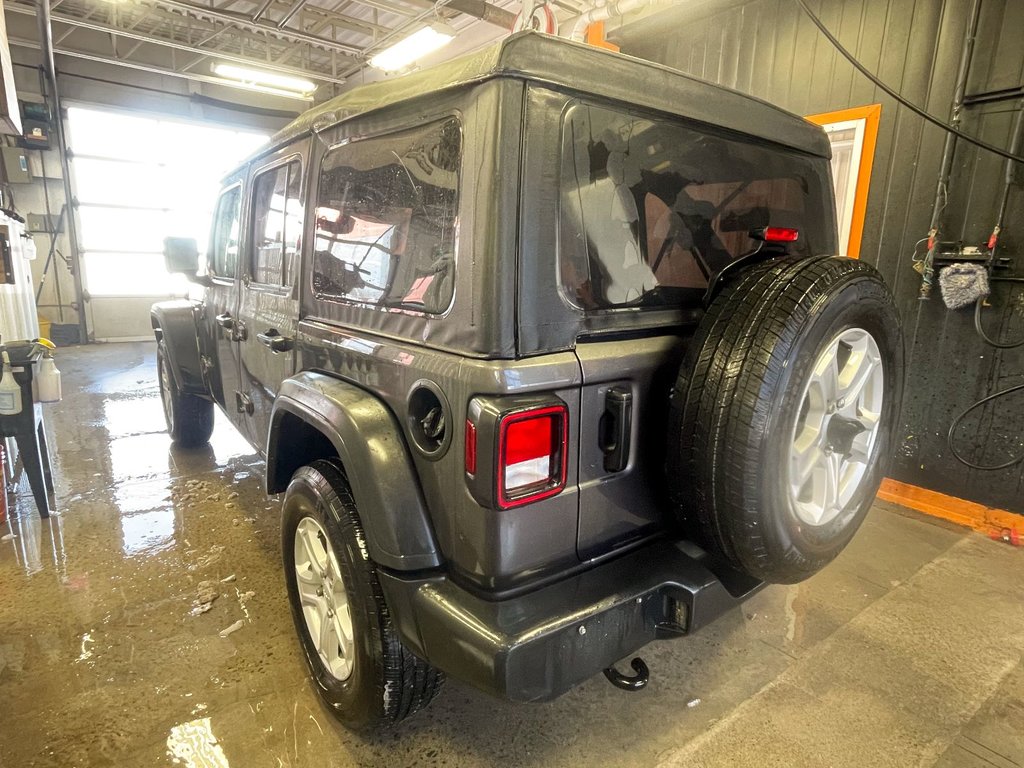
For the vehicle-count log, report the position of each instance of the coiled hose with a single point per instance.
(994, 396)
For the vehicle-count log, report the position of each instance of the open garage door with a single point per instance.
(137, 179)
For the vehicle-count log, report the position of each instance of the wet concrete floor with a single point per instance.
(906, 651)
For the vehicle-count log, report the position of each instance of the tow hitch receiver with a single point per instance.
(627, 683)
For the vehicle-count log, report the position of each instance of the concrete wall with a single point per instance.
(769, 49)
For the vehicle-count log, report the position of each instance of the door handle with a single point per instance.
(243, 403)
(225, 321)
(277, 343)
(616, 428)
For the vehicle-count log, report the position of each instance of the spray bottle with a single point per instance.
(10, 390)
(48, 380)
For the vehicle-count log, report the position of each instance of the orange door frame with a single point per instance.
(871, 115)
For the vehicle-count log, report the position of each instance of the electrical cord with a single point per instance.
(985, 337)
(898, 96)
(913, 254)
(994, 396)
(956, 423)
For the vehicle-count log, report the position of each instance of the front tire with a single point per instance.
(189, 418)
(783, 415)
(360, 668)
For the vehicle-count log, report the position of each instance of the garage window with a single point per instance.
(139, 179)
(277, 224)
(650, 210)
(386, 219)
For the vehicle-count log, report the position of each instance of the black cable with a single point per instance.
(899, 97)
(981, 331)
(994, 396)
(956, 422)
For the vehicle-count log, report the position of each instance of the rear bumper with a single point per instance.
(537, 646)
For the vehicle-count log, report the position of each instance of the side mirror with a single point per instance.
(181, 254)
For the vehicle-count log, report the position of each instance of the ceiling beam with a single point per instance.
(110, 29)
(262, 9)
(154, 69)
(395, 8)
(287, 8)
(478, 9)
(245, 22)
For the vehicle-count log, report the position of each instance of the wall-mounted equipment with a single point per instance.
(16, 165)
(45, 223)
(35, 120)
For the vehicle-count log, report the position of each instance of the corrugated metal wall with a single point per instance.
(768, 48)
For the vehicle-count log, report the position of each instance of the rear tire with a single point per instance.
(189, 418)
(363, 673)
(782, 418)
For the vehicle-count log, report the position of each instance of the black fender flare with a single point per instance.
(369, 442)
(175, 323)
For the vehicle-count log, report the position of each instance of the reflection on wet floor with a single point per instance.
(111, 652)
(194, 745)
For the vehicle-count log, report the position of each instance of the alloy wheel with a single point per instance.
(836, 428)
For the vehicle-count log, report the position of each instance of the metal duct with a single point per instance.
(479, 9)
(602, 10)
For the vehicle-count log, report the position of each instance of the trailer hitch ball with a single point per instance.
(627, 683)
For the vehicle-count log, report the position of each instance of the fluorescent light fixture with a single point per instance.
(265, 80)
(415, 46)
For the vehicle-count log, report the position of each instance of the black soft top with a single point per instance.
(585, 69)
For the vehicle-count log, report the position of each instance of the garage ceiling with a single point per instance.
(325, 40)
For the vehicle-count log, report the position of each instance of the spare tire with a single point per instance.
(783, 413)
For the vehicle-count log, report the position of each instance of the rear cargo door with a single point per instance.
(623, 417)
(650, 211)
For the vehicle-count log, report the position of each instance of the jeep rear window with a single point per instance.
(386, 219)
(651, 209)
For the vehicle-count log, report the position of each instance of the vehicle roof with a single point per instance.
(584, 69)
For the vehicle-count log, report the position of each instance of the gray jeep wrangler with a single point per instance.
(548, 352)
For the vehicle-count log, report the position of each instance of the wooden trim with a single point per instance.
(871, 115)
(959, 511)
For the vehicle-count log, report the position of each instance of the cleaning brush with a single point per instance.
(963, 284)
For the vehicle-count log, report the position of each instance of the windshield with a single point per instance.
(651, 210)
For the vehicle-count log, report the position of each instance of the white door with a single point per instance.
(847, 140)
(138, 179)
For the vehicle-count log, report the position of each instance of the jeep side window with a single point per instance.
(276, 224)
(651, 210)
(223, 258)
(386, 219)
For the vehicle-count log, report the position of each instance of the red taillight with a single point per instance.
(777, 234)
(531, 455)
(470, 447)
